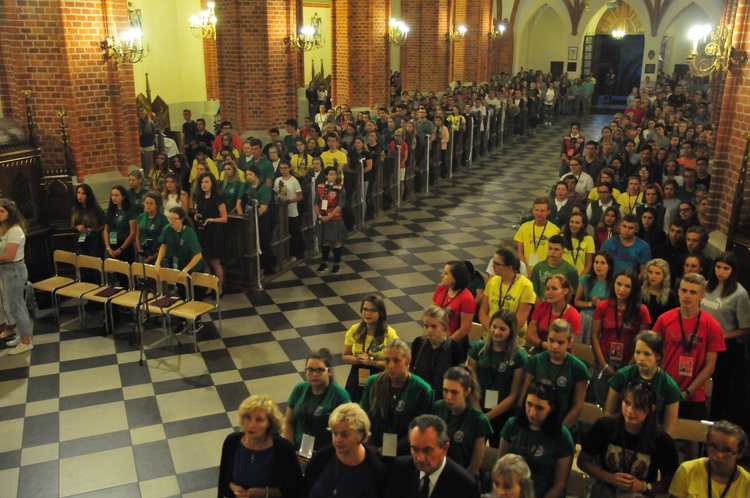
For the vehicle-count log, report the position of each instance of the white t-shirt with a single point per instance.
(293, 189)
(585, 183)
(14, 236)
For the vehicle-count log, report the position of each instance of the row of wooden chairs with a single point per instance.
(107, 292)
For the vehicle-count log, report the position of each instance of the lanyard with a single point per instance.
(726, 490)
(364, 340)
(549, 317)
(618, 327)
(689, 342)
(446, 296)
(533, 235)
(577, 252)
(507, 293)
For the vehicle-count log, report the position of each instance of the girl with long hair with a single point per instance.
(302, 160)
(120, 228)
(173, 195)
(594, 287)
(498, 363)
(629, 451)
(88, 219)
(210, 218)
(579, 247)
(655, 291)
(159, 171)
(608, 227)
(435, 352)
(558, 294)
(13, 274)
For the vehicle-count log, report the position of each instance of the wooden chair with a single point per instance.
(489, 458)
(58, 281)
(690, 430)
(112, 266)
(77, 289)
(193, 309)
(578, 484)
(591, 413)
(475, 333)
(585, 353)
(171, 277)
(132, 298)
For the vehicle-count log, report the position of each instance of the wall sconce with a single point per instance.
(204, 24)
(304, 41)
(497, 33)
(618, 34)
(716, 54)
(399, 30)
(127, 49)
(456, 35)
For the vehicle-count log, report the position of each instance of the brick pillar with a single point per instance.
(425, 57)
(503, 51)
(210, 63)
(52, 50)
(478, 46)
(257, 72)
(459, 48)
(361, 54)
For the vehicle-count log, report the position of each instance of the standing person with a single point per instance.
(537, 435)
(258, 461)
(312, 402)
(498, 363)
(617, 321)
(364, 344)
(629, 251)
(146, 138)
(346, 466)
(119, 231)
(533, 236)
(719, 474)
(468, 427)
(656, 292)
(149, 226)
(457, 301)
(728, 302)
(231, 185)
(428, 471)
(330, 228)
(393, 151)
(173, 195)
(392, 399)
(289, 192)
(646, 371)
(136, 193)
(435, 352)
(568, 374)
(88, 219)
(257, 194)
(558, 294)
(13, 275)
(629, 451)
(210, 217)
(595, 286)
(572, 146)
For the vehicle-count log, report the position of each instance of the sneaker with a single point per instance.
(336, 269)
(21, 348)
(322, 267)
(14, 342)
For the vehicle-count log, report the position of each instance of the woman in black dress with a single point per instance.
(210, 217)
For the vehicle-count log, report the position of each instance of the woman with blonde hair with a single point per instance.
(434, 353)
(511, 477)
(258, 461)
(656, 293)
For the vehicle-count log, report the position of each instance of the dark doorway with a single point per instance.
(625, 56)
(556, 68)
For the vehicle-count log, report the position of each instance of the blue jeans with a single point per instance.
(14, 277)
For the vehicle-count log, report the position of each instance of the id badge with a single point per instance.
(112, 238)
(306, 446)
(324, 205)
(616, 351)
(81, 238)
(390, 444)
(533, 259)
(685, 366)
(491, 398)
(364, 374)
(571, 152)
(175, 263)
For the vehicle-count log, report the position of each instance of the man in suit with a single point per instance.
(428, 472)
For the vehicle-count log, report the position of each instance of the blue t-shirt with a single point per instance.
(628, 257)
(599, 289)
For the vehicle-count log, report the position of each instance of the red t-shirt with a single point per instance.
(710, 339)
(605, 311)
(542, 316)
(404, 152)
(463, 303)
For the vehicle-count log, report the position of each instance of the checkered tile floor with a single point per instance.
(80, 417)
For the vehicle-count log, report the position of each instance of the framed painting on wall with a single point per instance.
(572, 67)
(572, 53)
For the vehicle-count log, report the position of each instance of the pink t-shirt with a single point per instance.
(605, 311)
(543, 318)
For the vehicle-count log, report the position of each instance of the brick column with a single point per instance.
(425, 57)
(52, 50)
(478, 46)
(361, 54)
(257, 72)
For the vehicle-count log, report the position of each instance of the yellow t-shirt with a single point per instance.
(534, 240)
(301, 165)
(374, 350)
(594, 194)
(211, 169)
(628, 203)
(503, 296)
(582, 248)
(691, 481)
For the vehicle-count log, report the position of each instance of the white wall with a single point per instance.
(541, 41)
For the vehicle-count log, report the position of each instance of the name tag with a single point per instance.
(364, 374)
(533, 259)
(306, 446)
(324, 205)
(390, 444)
(685, 366)
(81, 237)
(616, 351)
(175, 263)
(491, 398)
(113, 238)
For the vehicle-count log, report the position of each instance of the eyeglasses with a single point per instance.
(685, 210)
(318, 371)
(369, 310)
(603, 192)
(496, 264)
(643, 385)
(713, 448)
(173, 219)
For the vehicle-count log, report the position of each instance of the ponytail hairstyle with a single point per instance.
(465, 377)
(380, 397)
(436, 313)
(544, 390)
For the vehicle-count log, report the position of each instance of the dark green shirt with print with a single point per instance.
(120, 224)
(494, 374)
(151, 228)
(463, 430)
(182, 245)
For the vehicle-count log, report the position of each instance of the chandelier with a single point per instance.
(204, 24)
(715, 54)
(497, 33)
(305, 40)
(456, 35)
(618, 34)
(399, 30)
(128, 48)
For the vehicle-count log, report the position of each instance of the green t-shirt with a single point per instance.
(542, 271)
(182, 245)
(136, 200)
(463, 430)
(540, 451)
(266, 168)
(262, 192)
(121, 224)
(414, 398)
(476, 283)
(311, 411)
(151, 228)
(666, 389)
(564, 377)
(492, 373)
(231, 192)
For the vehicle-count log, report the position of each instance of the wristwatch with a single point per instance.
(647, 486)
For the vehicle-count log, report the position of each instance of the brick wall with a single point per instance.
(258, 73)
(51, 48)
(210, 63)
(425, 57)
(477, 43)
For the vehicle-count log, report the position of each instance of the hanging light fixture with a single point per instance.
(128, 47)
(304, 41)
(497, 33)
(456, 35)
(618, 34)
(398, 32)
(204, 24)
